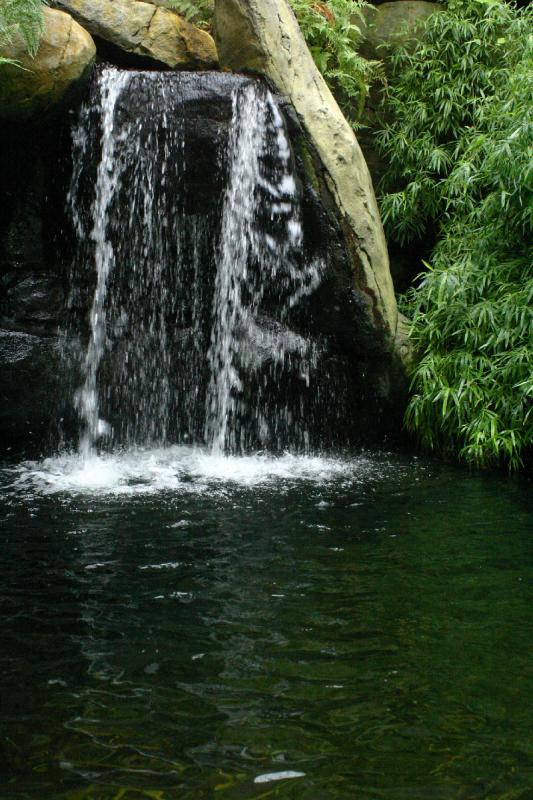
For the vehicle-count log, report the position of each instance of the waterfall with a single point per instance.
(107, 180)
(260, 247)
(189, 337)
(132, 233)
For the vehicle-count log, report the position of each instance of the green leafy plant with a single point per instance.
(333, 34)
(459, 146)
(23, 17)
(198, 11)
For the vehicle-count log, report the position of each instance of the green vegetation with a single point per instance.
(199, 12)
(459, 151)
(24, 17)
(333, 35)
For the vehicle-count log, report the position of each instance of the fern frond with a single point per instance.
(23, 17)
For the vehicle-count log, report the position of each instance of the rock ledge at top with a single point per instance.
(66, 51)
(145, 30)
(263, 36)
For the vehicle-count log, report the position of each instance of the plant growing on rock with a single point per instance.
(459, 152)
(333, 35)
(198, 11)
(23, 17)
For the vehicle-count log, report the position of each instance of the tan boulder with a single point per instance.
(263, 36)
(145, 30)
(66, 52)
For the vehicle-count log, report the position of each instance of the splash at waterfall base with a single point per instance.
(211, 299)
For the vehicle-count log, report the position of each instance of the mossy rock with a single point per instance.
(33, 85)
(392, 25)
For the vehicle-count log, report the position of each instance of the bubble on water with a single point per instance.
(278, 776)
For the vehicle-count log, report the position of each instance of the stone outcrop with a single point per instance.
(263, 36)
(65, 54)
(393, 24)
(145, 30)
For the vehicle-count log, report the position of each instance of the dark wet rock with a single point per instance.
(36, 254)
(34, 164)
(263, 36)
(30, 388)
(31, 301)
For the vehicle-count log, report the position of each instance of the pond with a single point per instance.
(183, 625)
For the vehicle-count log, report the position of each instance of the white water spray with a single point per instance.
(261, 247)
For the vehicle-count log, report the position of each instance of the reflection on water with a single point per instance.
(176, 626)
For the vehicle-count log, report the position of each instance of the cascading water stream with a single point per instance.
(107, 179)
(253, 259)
(190, 336)
(131, 231)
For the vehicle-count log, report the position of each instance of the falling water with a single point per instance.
(143, 360)
(107, 180)
(190, 336)
(261, 251)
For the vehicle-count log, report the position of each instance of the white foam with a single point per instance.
(177, 468)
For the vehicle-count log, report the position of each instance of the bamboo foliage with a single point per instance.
(460, 152)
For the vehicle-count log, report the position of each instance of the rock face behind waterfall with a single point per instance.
(237, 326)
(316, 358)
(309, 357)
(34, 164)
(263, 36)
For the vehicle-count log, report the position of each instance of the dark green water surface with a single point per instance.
(370, 628)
